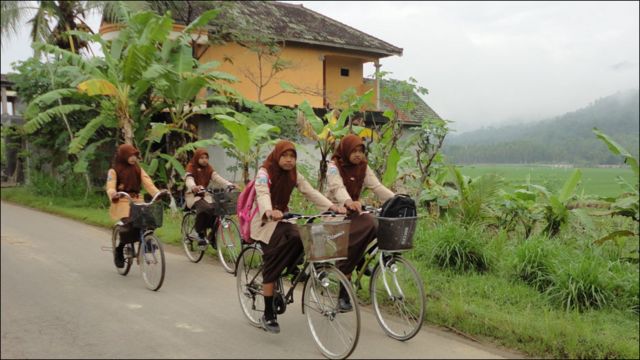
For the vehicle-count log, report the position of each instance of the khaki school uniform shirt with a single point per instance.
(120, 209)
(190, 182)
(337, 192)
(261, 229)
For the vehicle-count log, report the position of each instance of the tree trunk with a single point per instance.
(245, 173)
(322, 174)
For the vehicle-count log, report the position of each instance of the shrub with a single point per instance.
(582, 284)
(459, 248)
(534, 262)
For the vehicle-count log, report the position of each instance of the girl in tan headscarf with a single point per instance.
(347, 174)
(126, 175)
(282, 246)
(199, 174)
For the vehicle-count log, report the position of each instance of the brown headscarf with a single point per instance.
(282, 181)
(352, 175)
(129, 176)
(201, 174)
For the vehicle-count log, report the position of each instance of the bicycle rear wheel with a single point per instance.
(152, 264)
(397, 293)
(229, 244)
(336, 333)
(189, 242)
(249, 284)
(128, 251)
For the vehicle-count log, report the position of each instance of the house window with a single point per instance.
(344, 72)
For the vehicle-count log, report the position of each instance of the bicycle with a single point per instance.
(227, 235)
(395, 288)
(149, 253)
(335, 333)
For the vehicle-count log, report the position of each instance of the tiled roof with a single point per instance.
(421, 110)
(289, 22)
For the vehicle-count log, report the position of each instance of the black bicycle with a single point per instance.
(148, 253)
(227, 234)
(335, 332)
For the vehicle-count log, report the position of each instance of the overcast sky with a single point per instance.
(488, 63)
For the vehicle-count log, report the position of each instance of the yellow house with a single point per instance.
(317, 58)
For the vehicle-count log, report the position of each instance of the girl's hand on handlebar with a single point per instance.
(338, 209)
(274, 214)
(115, 198)
(354, 206)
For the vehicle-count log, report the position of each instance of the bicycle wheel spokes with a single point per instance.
(229, 244)
(249, 284)
(190, 245)
(335, 333)
(397, 293)
(152, 262)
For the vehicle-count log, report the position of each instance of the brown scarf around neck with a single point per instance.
(201, 174)
(128, 176)
(282, 181)
(352, 175)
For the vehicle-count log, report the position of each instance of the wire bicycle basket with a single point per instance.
(226, 203)
(146, 216)
(396, 234)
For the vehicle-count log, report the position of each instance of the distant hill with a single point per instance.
(563, 139)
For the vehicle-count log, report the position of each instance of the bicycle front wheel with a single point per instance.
(228, 243)
(151, 260)
(336, 333)
(397, 293)
(249, 284)
(128, 251)
(190, 245)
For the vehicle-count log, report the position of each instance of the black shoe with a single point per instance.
(201, 240)
(344, 305)
(118, 259)
(270, 325)
(212, 240)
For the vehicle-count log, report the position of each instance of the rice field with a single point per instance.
(595, 181)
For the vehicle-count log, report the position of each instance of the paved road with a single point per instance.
(62, 298)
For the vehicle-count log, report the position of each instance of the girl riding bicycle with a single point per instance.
(281, 240)
(347, 174)
(127, 176)
(198, 176)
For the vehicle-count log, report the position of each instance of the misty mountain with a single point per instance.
(564, 139)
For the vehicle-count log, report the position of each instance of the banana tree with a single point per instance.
(556, 210)
(244, 141)
(626, 204)
(326, 135)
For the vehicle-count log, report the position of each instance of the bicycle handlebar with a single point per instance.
(227, 189)
(155, 197)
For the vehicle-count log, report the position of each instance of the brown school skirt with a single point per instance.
(282, 251)
(362, 231)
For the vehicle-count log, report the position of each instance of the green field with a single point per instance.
(595, 181)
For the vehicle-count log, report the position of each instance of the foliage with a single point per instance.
(459, 248)
(327, 135)
(534, 262)
(581, 284)
(556, 211)
(475, 197)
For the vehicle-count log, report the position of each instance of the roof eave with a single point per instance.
(383, 53)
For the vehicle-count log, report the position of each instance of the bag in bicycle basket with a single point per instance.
(146, 216)
(396, 234)
(400, 205)
(328, 240)
(226, 203)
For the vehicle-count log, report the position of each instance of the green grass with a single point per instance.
(595, 181)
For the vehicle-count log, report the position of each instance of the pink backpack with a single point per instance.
(245, 214)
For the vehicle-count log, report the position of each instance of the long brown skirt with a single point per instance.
(282, 251)
(205, 215)
(362, 231)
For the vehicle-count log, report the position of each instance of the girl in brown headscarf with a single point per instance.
(347, 174)
(199, 174)
(126, 175)
(282, 246)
